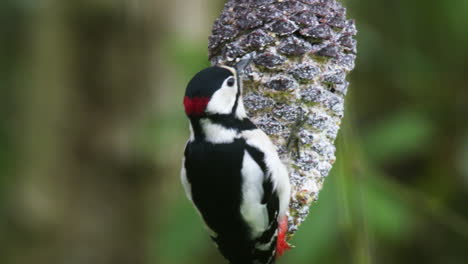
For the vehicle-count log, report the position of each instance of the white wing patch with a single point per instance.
(253, 211)
(267, 245)
(279, 174)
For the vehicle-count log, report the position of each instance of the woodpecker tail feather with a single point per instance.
(281, 244)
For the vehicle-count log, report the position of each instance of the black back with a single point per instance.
(213, 171)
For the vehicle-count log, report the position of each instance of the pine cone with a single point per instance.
(297, 82)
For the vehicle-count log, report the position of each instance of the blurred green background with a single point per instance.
(92, 132)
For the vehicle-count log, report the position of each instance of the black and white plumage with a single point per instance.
(231, 171)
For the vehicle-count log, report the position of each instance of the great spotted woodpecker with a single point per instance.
(231, 170)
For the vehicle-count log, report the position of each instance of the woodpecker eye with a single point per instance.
(230, 82)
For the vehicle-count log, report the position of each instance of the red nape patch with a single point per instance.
(195, 106)
(281, 244)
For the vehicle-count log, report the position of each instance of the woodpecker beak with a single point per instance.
(243, 63)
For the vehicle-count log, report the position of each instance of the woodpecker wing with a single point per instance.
(276, 178)
(274, 189)
(236, 187)
(213, 179)
(263, 214)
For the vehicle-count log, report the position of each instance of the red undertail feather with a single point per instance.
(281, 244)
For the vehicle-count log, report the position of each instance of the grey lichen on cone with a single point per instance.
(295, 87)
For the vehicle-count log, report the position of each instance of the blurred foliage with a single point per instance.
(398, 191)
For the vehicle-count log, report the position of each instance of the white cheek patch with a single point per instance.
(222, 100)
(218, 134)
(240, 111)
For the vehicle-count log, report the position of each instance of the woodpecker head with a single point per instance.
(216, 91)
